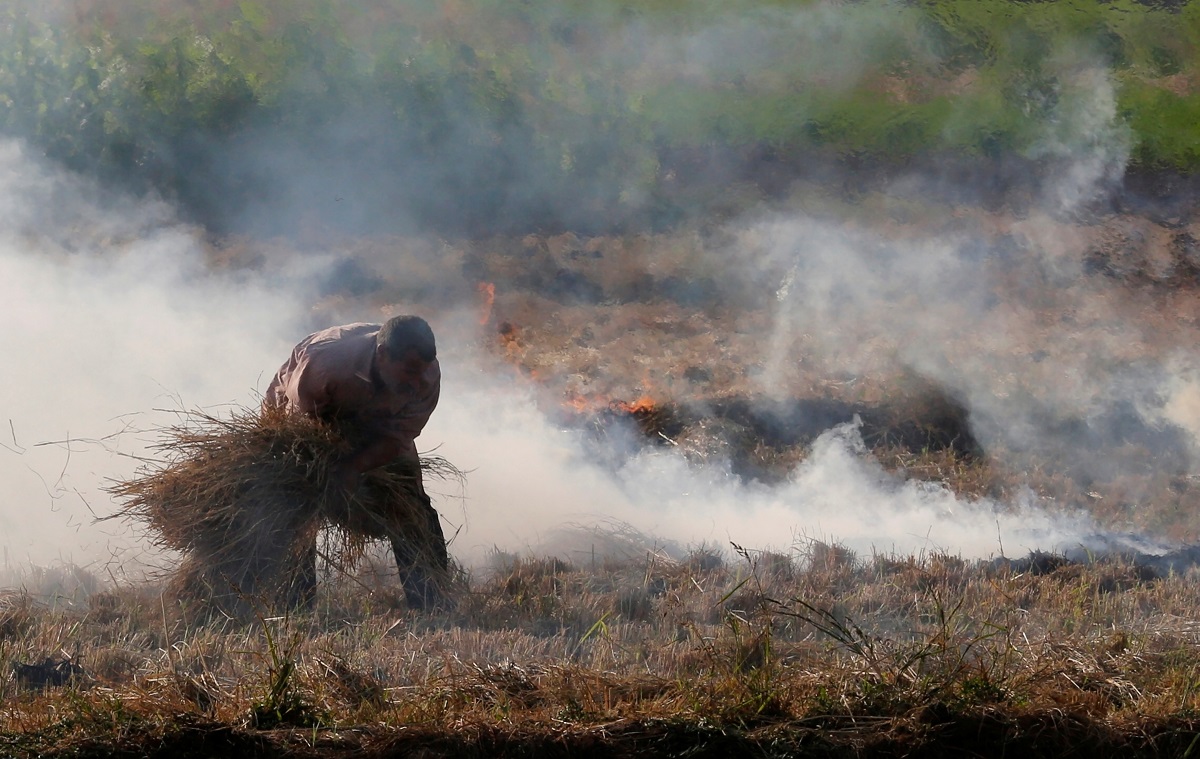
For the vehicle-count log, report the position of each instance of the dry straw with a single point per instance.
(243, 498)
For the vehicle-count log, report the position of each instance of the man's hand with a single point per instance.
(347, 473)
(344, 478)
(375, 455)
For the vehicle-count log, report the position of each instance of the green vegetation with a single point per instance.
(482, 114)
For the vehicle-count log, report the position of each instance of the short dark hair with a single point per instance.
(401, 333)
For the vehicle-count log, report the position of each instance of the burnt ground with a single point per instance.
(743, 428)
(984, 735)
(1044, 350)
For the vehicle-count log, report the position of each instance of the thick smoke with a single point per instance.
(119, 312)
(997, 308)
(530, 479)
(1084, 138)
(116, 315)
(113, 313)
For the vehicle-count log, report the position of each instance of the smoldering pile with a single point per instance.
(755, 434)
(243, 498)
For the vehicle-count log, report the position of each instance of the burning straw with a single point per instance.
(243, 499)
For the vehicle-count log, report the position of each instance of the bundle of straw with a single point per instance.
(243, 499)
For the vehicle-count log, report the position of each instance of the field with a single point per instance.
(635, 644)
(903, 295)
(767, 654)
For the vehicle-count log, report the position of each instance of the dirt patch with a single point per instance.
(933, 731)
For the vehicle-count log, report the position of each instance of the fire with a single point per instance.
(643, 405)
(514, 350)
(582, 404)
(488, 292)
(650, 417)
(593, 404)
(510, 339)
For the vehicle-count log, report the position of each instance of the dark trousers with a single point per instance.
(422, 559)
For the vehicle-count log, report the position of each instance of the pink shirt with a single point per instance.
(329, 375)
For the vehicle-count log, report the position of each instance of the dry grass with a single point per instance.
(816, 648)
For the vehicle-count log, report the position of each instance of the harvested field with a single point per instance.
(644, 646)
(622, 641)
(817, 652)
(825, 378)
(913, 371)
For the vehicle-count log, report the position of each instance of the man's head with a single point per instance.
(404, 349)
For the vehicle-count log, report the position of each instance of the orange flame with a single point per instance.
(488, 291)
(510, 339)
(642, 405)
(591, 404)
(578, 404)
(585, 404)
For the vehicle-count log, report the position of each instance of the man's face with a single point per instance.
(403, 375)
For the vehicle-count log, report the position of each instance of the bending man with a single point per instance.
(383, 382)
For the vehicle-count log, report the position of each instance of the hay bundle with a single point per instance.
(243, 499)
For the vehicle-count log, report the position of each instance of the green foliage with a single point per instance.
(281, 703)
(552, 113)
(1165, 124)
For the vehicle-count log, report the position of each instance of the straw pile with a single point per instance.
(243, 499)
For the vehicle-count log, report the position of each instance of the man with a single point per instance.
(383, 382)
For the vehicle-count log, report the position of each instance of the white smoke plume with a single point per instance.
(997, 308)
(530, 478)
(112, 314)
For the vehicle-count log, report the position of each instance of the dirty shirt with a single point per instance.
(329, 376)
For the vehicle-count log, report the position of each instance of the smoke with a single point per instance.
(530, 479)
(112, 314)
(1056, 366)
(478, 119)
(118, 310)
(834, 45)
(1084, 136)
(841, 494)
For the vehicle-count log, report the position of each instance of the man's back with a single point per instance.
(329, 375)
